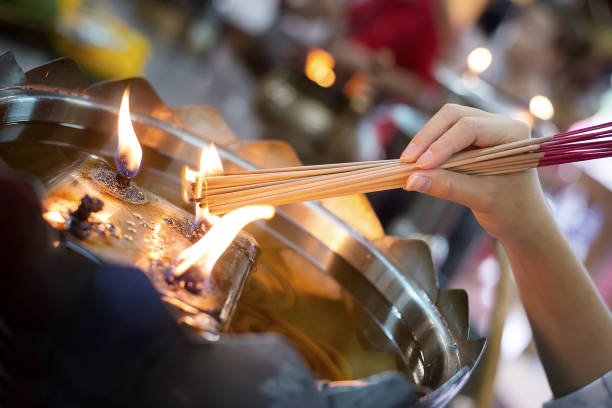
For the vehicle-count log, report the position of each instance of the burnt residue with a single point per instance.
(187, 228)
(80, 225)
(192, 280)
(122, 180)
(114, 184)
(87, 206)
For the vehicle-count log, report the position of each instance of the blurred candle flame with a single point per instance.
(129, 153)
(212, 245)
(479, 60)
(319, 68)
(541, 107)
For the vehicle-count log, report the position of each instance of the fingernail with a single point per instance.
(408, 152)
(418, 183)
(425, 159)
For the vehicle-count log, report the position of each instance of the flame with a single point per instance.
(55, 219)
(479, 60)
(212, 245)
(319, 68)
(129, 153)
(223, 231)
(103, 216)
(189, 178)
(541, 107)
(194, 182)
(210, 165)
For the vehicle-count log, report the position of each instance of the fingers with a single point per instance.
(472, 131)
(449, 185)
(456, 127)
(442, 121)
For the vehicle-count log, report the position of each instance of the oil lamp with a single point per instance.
(199, 264)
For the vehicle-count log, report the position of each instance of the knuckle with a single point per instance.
(467, 125)
(416, 141)
(523, 130)
(449, 108)
(437, 148)
(441, 150)
(444, 187)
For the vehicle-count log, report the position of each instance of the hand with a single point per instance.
(571, 325)
(507, 206)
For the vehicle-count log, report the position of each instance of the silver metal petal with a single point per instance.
(413, 257)
(60, 73)
(471, 350)
(11, 73)
(453, 304)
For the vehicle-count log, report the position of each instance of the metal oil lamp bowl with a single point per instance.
(352, 301)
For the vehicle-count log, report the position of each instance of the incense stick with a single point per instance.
(304, 183)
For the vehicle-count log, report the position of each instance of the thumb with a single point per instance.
(449, 185)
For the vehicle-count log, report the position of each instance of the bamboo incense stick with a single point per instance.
(304, 183)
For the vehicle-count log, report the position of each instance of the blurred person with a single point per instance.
(414, 31)
(571, 325)
(559, 50)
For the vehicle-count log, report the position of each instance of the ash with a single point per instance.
(190, 230)
(80, 225)
(107, 179)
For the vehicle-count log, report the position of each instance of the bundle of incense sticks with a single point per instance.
(304, 183)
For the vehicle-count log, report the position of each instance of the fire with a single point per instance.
(210, 165)
(223, 231)
(129, 153)
(102, 216)
(55, 219)
(319, 68)
(212, 245)
(189, 178)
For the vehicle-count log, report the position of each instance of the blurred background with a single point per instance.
(348, 80)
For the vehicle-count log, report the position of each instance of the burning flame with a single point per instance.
(103, 216)
(479, 60)
(55, 219)
(210, 165)
(129, 153)
(212, 245)
(319, 68)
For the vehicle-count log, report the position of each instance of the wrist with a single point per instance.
(536, 231)
(521, 214)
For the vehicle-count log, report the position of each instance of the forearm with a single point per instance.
(572, 326)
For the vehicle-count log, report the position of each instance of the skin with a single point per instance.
(571, 324)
